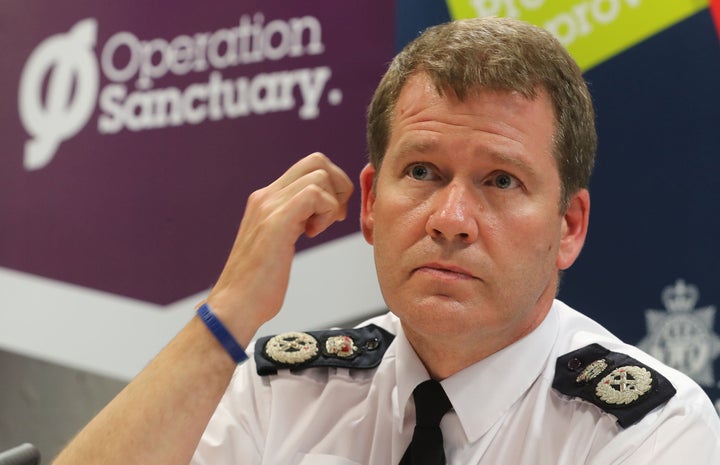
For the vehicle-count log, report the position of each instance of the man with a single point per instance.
(482, 140)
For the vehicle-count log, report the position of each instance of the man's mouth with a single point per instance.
(445, 271)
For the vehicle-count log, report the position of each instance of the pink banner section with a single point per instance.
(715, 11)
(132, 136)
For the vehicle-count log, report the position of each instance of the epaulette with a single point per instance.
(615, 382)
(359, 348)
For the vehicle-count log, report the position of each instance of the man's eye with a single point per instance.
(419, 172)
(505, 181)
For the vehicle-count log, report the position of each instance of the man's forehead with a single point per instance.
(420, 93)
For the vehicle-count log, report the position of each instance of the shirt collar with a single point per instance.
(483, 392)
(410, 371)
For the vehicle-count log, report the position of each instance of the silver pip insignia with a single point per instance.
(592, 371)
(341, 346)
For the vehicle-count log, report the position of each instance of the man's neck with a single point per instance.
(445, 357)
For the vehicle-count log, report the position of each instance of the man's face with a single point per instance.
(464, 216)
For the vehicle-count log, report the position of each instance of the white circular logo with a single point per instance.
(624, 385)
(292, 348)
(58, 90)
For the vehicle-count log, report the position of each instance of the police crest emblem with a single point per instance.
(682, 336)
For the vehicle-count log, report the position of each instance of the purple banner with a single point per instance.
(133, 135)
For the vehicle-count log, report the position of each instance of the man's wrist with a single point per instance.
(221, 333)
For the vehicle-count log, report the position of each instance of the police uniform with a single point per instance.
(568, 393)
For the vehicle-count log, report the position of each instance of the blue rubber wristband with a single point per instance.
(221, 333)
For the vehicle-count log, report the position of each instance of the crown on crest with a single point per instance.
(681, 297)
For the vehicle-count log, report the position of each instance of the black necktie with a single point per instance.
(426, 447)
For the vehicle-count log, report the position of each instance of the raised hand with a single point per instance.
(307, 198)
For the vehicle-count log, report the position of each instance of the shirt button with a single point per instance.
(574, 364)
(372, 344)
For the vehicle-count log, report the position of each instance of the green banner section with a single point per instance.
(591, 30)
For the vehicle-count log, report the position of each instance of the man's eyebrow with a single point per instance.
(504, 158)
(427, 145)
(416, 146)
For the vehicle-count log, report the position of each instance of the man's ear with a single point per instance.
(574, 229)
(367, 220)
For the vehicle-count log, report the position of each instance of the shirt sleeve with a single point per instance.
(236, 431)
(686, 431)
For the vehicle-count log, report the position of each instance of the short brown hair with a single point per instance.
(497, 54)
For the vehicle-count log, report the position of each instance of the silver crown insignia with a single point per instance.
(681, 297)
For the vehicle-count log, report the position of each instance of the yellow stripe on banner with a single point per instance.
(591, 30)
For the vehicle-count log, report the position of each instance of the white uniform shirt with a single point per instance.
(504, 411)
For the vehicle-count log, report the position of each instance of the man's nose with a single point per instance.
(454, 215)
